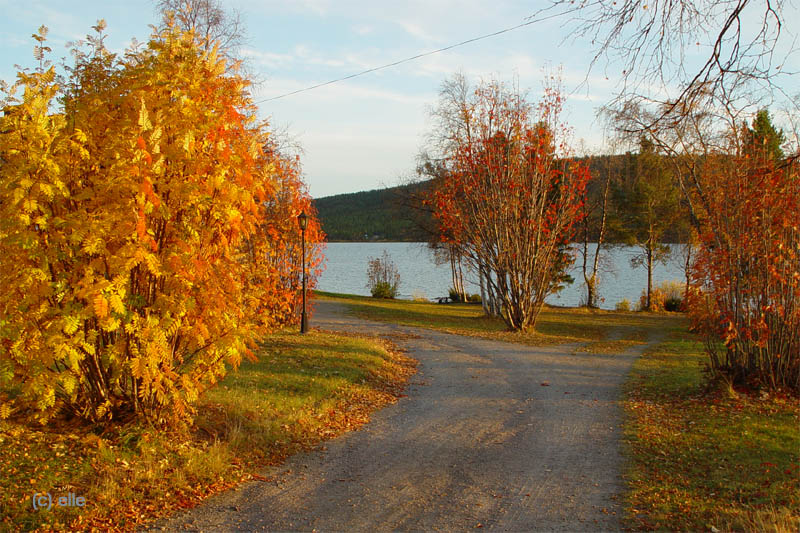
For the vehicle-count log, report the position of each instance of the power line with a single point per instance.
(418, 56)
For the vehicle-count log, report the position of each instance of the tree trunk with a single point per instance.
(688, 273)
(649, 274)
(591, 296)
(591, 276)
(461, 289)
(491, 294)
(484, 299)
(586, 277)
(600, 239)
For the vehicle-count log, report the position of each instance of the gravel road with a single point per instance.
(491, 435)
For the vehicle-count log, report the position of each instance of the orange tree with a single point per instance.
(511, 199)
(147, 231)
(748, 264)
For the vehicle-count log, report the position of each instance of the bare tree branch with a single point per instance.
(209, 19)
(677, 54)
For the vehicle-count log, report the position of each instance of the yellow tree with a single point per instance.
(137, 223)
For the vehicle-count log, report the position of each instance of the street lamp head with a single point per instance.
(302, 219)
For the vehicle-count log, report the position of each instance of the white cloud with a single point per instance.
(319, 8)
(363, 29)
(583, 97)
(266, 59)
(14, 41)
(416, 30)
(302, 55)
(343, 92)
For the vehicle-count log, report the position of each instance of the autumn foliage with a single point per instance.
(148, 231)
(510, 198)
(747, 271)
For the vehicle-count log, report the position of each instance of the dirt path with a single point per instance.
(492, 434)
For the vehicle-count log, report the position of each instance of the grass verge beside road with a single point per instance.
(301, 391)
(702, 459)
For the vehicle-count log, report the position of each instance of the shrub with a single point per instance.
(747, 269)
(456, 296)
(383, 290)
(623, 305)
(657, 300)
(136, 220)
(673, 304)
(383, 279)
(474, 298)
(674, 292)
(417, 296)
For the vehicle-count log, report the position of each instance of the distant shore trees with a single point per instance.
(649, 206)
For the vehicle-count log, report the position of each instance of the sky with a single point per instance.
(363, 133)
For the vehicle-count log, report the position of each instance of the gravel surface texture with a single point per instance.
(491, 435)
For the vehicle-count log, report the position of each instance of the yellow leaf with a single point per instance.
(101, 306)
(153, 264)
(158, 166)
(116, 303)
(111, 324)
(144, 120)
(19, 194)
(137, 367)
(47, 190)
(71, 325)
(92, 244)
(188, 141)
(80, 136)
(30, 205)
(69, 383)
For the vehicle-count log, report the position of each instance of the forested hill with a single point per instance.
(377, 215)
(394, 213)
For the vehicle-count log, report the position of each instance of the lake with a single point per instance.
(346, 272)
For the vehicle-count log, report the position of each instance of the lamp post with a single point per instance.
(302, 220)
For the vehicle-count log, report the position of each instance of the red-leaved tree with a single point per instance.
(510, 197)
(747, 268)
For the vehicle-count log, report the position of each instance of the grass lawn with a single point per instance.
(707, 458)
(603, 331)
(302, 390)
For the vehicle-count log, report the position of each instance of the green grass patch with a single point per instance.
(555, 325)
(703, 458)
(301, 391)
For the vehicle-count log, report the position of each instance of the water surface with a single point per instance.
(346, 272)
